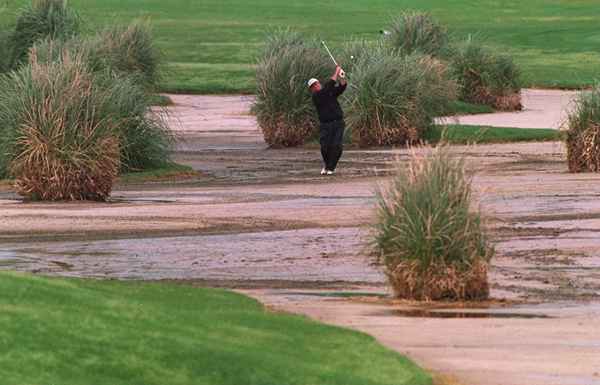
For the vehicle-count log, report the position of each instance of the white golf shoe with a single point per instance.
(330, 172)
(323, 171)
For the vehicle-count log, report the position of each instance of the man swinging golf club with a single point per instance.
(331, 118)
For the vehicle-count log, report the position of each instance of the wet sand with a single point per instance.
(264, 219)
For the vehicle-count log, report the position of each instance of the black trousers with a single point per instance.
(332, 143)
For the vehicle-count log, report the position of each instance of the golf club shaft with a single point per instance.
(329, 52)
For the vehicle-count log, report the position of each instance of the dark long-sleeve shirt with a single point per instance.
(326, 102)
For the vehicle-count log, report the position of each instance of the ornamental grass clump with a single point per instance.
(583, 134)
(485, 76)
(394, 98)
(39, 20)
(415, 31)
(432, 245)
(56, 138)
(283, 106)
(145, 137)
(124, 50)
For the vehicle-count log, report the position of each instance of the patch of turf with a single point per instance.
(167, 172)
(211, 49)
(59, 331)
(463, 108)
(462, 134)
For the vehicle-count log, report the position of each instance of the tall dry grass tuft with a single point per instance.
(125, 50)
(486, 77)
(583, 134)
(433, 246)
(39, 20)
(283, 104)
(144, 135)
(58, 141)
(416, 31)
(394, 98)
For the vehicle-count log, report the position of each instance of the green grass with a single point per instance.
(169, 171)
(57, 331)
(458, 107)
(211, 45)
(459, 134)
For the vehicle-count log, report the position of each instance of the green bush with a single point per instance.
(130, 50)
(56, 137)
(415, 31)
(125, 50)
(486, 77)
(393, 98)
(283, 104)
(430, 242)
(583, 134)
(65, 131)
(41, 19)
(146, 139)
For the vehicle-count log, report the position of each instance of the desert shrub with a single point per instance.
(39, 20)
(283, 106)
(66, 131)
(485, 76)
(131, 50)
(393, 98)
(583, 134)
(430, 242)
(125, 50)
(360, 50)
(146, 139)
(56, 139)
(415, 31)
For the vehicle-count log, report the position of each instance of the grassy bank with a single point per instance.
(459, 134)
(57, 331)
(208, 48)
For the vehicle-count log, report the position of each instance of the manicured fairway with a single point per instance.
(56, 331)
(211, 45)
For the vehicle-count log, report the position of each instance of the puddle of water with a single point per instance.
(419, 313)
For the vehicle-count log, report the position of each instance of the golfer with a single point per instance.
(331, 118)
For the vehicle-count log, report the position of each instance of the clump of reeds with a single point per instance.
(431, 242)
(485, 76)
(583, 134)
(283, 104)
(394, 98)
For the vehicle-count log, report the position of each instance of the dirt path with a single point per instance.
(264, 219)
(541, 109)
(547, 344)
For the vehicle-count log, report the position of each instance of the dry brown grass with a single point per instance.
(278, 131)
(66, 146)
(432, 244)
(436, 283)
(583, 149)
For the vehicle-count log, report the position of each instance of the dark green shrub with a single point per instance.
(283, 104)
(431, 244)
(583, 135)
(394, 98)
(416, 31)
(485, 76)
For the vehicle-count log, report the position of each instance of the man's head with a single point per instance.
(314, 85)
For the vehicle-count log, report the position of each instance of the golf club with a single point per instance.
(342, 73)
